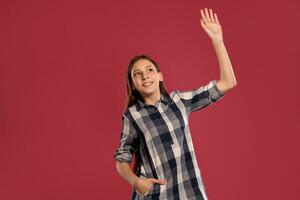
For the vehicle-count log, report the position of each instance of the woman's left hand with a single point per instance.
(211, 25)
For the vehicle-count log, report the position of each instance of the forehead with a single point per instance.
(141, 64)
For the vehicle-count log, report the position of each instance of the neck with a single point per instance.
(151, 100)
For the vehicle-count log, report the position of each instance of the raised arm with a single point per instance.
(212, 27)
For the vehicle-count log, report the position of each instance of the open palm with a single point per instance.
(211, 25)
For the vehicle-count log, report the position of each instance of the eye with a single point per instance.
(150, 69)
(136, 73)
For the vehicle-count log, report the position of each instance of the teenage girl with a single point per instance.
(155, 131)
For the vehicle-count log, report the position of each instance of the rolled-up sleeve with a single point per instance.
(128, 142)
(201, 97)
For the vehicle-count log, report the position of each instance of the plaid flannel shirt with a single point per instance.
(161, 136)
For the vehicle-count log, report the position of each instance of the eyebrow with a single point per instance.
(145, 67)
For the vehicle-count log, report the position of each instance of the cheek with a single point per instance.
(157, 80)
(136, 83)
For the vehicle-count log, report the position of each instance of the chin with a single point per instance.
(148, 92)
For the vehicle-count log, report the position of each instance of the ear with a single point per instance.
(161, 78)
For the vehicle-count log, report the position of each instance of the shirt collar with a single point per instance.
(163, 98)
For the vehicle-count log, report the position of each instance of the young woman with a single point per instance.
(155, 130)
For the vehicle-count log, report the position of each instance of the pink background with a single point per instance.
(62, 93)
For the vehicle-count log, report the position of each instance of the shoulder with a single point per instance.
(129, 111)
(175, 96)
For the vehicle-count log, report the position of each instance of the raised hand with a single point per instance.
(211, 25)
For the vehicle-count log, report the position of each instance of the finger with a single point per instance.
(146, 193)
(207, 15)
(142, 193)
(137, 191)
(202, 24)
(161, 182)
(211, 15)
(216, 17)
(203, 16)
(201, 21)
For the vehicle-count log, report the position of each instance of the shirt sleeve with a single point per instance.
(201, 97)
(128, 142)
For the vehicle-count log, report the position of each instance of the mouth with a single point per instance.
(146, 84)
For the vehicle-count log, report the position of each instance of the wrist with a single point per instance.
(217, 42)
(134, 182)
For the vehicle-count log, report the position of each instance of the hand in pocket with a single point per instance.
(144, 186)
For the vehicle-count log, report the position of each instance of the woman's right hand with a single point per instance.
(143, 186)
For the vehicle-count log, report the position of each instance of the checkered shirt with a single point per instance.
(161, 136)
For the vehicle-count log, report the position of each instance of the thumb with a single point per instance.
(161, 182)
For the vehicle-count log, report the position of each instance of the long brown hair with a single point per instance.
(132, 95)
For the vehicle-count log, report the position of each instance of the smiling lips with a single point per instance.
(147, 84)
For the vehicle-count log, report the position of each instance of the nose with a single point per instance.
(144, 76)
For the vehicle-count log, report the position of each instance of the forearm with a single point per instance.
(227, 78)
(125, 171)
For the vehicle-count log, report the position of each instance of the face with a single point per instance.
(146, 78)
